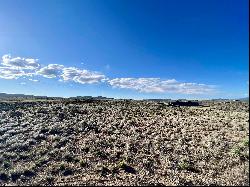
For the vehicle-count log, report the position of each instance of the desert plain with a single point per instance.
(123, 142)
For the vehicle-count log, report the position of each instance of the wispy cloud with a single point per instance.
(157, 85)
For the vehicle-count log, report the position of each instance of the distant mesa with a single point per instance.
(5, 96)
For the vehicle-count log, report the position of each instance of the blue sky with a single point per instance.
(125, 48)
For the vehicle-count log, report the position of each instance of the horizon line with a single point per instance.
(63, 97)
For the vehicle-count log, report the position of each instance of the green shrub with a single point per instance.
(245, 142)
(236, 151)
(183, 165)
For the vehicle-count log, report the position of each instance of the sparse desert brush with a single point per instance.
(183, 165)
(24, 156)
(122, 165)
(69, 157)
(9, 155)
(83, 163)
(49, 179)
(42, 161)
(245, 142)
(241, 149)
(90, 147)
(62, 168)
(6, 164)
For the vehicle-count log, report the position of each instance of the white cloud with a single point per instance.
(20, 63)
(51, 71)
(81, 76)
(156, 85)
(13, 73)
(14, 68)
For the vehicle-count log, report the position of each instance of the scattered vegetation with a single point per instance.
(183, 165)
(123, 142)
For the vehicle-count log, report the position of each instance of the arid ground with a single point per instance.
(120, 142)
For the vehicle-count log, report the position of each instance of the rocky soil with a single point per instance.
(123, 143)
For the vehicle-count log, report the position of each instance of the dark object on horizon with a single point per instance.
(91, 98)
(184, 103)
